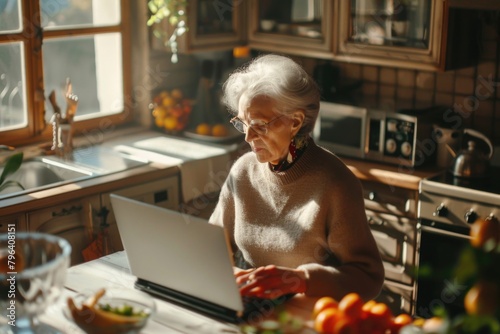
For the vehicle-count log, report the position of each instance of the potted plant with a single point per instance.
(175, 12)
(12, 164)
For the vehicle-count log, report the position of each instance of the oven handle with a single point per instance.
(443, 232)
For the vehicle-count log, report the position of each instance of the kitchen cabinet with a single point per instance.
(71, 221)
(18, 222)
(302, 28)
(212, 25)
(425, 35)
(392, 214)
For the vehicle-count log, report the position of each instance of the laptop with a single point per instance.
(183, 259)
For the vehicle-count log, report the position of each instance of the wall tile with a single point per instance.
(351, 71)
(486, 69)
(424, 98)
(370, 73)
(445, 82)
(387, 91)
(369, 89)
(488, 51)
(464, 85)
(426, 80)
(444, 99)
(406, 78)
(485, 109)
(388, 76)
(404, 93)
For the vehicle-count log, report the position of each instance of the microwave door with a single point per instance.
(343, 129)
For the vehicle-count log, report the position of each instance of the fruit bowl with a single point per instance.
(111, 311)
(171, 110)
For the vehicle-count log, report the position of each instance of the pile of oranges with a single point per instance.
(352, 315)
(217, 130)
(171, 110)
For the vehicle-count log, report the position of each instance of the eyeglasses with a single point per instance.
(259, 126)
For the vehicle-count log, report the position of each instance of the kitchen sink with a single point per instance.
(40, 173)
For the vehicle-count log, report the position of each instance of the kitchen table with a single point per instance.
(112, 271)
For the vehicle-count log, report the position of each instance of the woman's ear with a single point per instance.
(297, 121)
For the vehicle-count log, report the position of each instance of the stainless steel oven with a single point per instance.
(447, 207)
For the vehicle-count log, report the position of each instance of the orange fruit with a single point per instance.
(346, 325)
(176, 94)
(482, 298)
(326, 319)
(434, 325)
(351, 305)
(322, 304)
(160, 122)
(170, 123)
(203, 129)
(485, 233)
(400, 321)
(380, 316)
(219, 130)
(167, 102)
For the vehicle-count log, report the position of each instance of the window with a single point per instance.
(42, 45)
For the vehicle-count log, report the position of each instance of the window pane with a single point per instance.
(94, 66)
(13, 111)
(10, 16)
(58, 14)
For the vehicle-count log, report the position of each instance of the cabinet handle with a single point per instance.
(67, 212)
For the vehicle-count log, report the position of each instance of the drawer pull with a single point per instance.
(67, 212)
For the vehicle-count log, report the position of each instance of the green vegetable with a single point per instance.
(124, 310)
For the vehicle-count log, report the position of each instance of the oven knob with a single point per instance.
(406, 149)
(390, 146)
(470, 216)
(441, 211)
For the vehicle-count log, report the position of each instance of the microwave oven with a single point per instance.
(398, 138)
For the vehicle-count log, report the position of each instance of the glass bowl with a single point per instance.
(93, 319)
(32, 274)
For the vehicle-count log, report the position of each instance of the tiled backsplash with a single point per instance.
(474, 91)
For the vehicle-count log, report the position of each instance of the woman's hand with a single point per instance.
(271, 281)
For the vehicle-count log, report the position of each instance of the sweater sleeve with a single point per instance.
(350, 242)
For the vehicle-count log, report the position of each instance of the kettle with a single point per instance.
(471, 162)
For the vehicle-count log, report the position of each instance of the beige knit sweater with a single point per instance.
(310, 216)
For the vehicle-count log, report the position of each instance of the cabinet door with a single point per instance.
(212, 25)
(70, 220)
(408, 34)
(12, 224)
(297, 27)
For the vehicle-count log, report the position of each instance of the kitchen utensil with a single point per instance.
(53, 102)
(449, 141)
(71, 102)
(473, 162)
(72, 105)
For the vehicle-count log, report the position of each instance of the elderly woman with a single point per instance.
(293, 210)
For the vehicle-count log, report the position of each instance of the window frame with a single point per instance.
(32, 37)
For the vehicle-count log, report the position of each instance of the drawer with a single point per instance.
(396, 240)
(389, 199)
(398, 297)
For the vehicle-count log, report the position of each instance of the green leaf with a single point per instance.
(11, 166)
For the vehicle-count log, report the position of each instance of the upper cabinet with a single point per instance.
(297, 27)
(212, 25)
(416, 34)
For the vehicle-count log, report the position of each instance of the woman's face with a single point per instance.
(273, 146)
